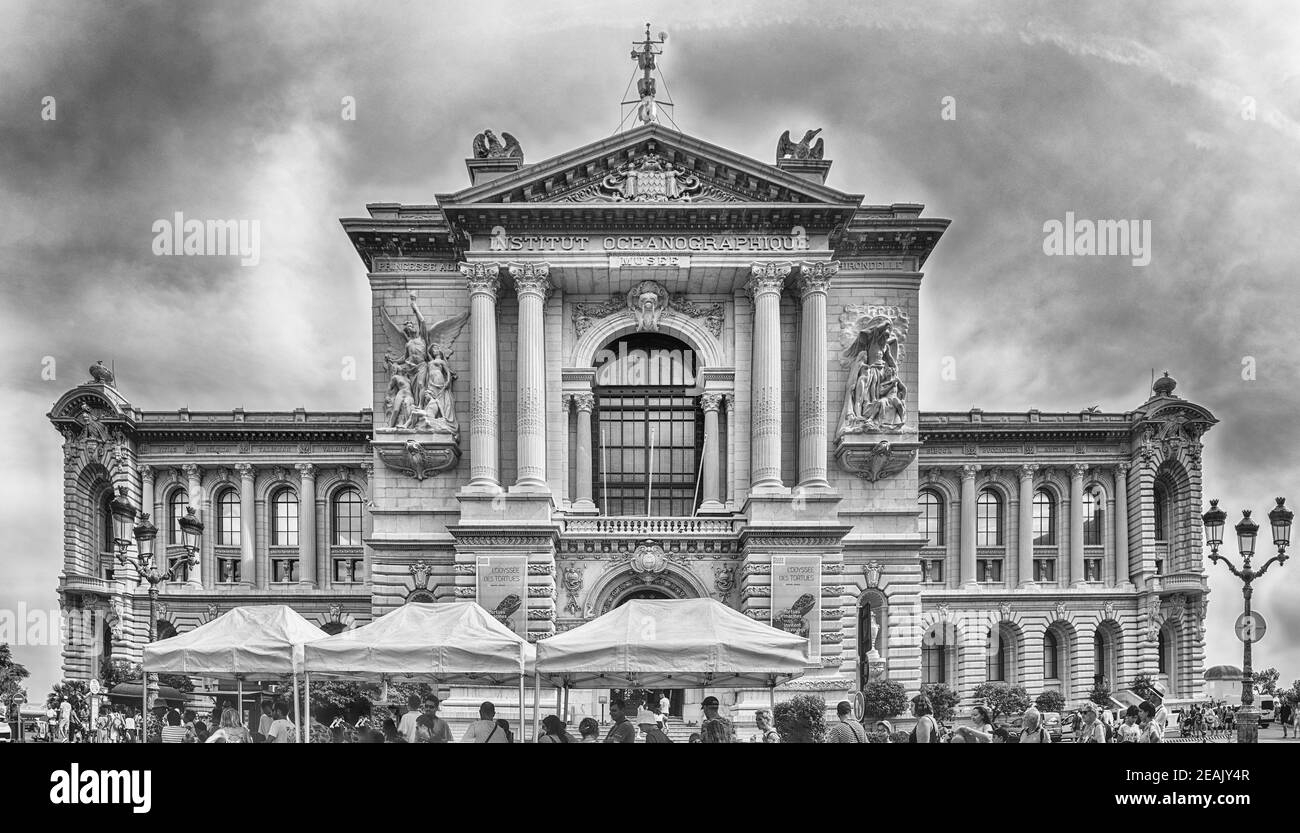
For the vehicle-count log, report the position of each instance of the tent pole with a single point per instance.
(306, 701)
(522, 717)
(537, 700)
(297, 716)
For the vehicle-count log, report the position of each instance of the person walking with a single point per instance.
(1150, 729)
(1284, 716)
(715, 728)
(926, 729)
(848, 729)
(1032, 730)
(485, 729)
(265, 721)
(766, 726)
(665, 705)
(1090, 730)
(622, 731)
(980, 730)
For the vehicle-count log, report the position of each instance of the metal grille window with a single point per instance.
(347, 518)
(1044, 519)
(284, 519)
(228, 519)
(647, 461)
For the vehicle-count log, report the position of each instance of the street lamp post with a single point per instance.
(146, 564)
(1280, 520)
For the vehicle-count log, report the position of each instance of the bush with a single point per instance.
(878, 737)
(801, 719)
(899, 736)
(884, 699)
(1100, 694)
(1050, 701)
(1002, 699)
(943, 699)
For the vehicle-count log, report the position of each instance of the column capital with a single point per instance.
(1121, 469)
(1027, 471)
(710, 401)
(969, 470)
(191, 470)
(368, 468)
(815, 276)
(1078, 470)
(531, 278)
(306, 470)
(482, 278)
(245, 470)
(767, 278)
(147, 474)
(584, 401)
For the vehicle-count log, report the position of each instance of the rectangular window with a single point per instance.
(646, 459)
(284, 570)
(1045, 570)
(932, 665)
(932, 570)
(989, 570)
(348, 570)
(1092, 569)
(228, 570)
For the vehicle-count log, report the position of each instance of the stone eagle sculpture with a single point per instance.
(488, 146)
(804, 149)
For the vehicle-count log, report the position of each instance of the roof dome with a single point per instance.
(1165, 385)
(1223, 672)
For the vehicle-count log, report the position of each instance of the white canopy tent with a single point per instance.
(252, 642)
(671, 643)
(455, 643)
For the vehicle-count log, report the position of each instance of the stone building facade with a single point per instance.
(653, 367)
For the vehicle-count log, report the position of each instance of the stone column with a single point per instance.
(196, 498)
(1121, 524)
(711, 403)
(307, 525)
(814, 278)
(147, 494)
(968, 576)
(484, 280)
(248, 572)
(1026, 561)
(765, 378)
(731, 445)
(1076, 523)
(533, 287)
(585, 403)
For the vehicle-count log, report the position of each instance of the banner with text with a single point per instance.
(503, 589)
(797, 599)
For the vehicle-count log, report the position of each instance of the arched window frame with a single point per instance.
(988, 518)
(284, 518)
(345, 529)
(931, 517)
(1044, 514)
(229, 521)
(177, 502)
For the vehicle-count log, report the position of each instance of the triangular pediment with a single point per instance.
(647, 166)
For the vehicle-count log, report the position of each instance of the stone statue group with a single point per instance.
(875, 398)
(419, 396)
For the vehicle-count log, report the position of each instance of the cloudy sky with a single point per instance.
(231, 110)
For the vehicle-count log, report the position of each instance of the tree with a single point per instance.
(1050, 700)
(112, 672)
(76, 692)
(1002, 699)
(1143, 687)
(1266, 680)
(801, 719)
(11, 676)
(1100, 693)
(884, 699)
(943, 699)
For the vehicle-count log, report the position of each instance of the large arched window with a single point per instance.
(1094, 516)
(164, 629)
(1161, 495)
(1051, 656)
(104, 511)
(938, 655)
(648, 428)
(176, 505)
(1162, 653)
(996, 670)
(346, 518)
(228, 528)
(1044, 519)
(333, 628)
(931, 518)
(284, 519)
(988, 519)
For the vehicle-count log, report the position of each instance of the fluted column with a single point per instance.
(711, 403)
(814, 278)
(484, 281)
(731, 445)
(307, 524)
(248, 572)
(585, 403)
(1076, 523)
(968, 524)
(1121, 524)
(1026, 561)
(765, 378)
(147, 494)
(197, 501)
(533, 287)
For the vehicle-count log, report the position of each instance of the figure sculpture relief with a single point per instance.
(420, 379)
(875, 398)
(647, 301)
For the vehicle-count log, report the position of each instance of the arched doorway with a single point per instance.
(651, 697)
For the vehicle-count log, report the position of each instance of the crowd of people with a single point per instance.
(1143, 723)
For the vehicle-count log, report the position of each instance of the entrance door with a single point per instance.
(650, 697)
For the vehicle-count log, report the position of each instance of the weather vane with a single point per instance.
(644, 55)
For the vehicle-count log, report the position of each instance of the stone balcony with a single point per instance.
(77, 583)
(651, 527)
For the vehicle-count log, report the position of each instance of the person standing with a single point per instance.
(1128, 730)
(1033, 731)
(230, 731)
(622, 731)
(665, 704)
(926, 729)
(1284, 716)
(281, 729)
(63, 732)
(264, 723)
(485, 729)
(714, 728)
(980, 730)
(429, 727)
(553, 731)
(406, 728)
(649, 724)
(766, 726)
(589, 729)
(848, 729)
(1090, 730)
(174, 732)
(1150, 729)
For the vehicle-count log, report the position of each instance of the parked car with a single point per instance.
(1052, 723)
(6, 733)
(1266, 711)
